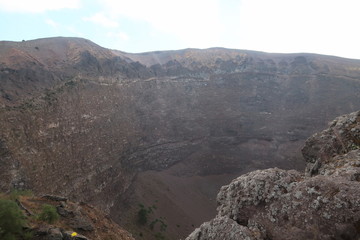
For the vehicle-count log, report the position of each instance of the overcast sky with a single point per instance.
(317, 26)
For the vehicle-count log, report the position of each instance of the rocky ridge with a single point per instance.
(277, 204)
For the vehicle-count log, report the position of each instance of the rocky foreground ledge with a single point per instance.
(51, 217)
(322, 203)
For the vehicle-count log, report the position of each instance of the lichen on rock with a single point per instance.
(342, 136)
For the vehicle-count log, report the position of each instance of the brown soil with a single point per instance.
(182, 202)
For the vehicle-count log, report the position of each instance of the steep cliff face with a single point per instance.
(111, 125)
(280, 204)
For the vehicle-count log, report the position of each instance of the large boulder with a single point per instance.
(321, 149)
(323, 203)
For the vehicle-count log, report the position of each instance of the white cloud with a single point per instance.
(52, 23)
(37, 6)
(118, 36)
(102, 20)
(193, 22)
(67, 29)
(73, 31)
(321, 26)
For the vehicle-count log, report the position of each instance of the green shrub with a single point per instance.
(159, 236)
(12, 220)
(142, 215)
(49, 214)
(28, 235)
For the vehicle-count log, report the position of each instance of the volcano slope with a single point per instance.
(162, 129)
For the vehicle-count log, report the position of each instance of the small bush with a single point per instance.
(163, 225)
(142, 216)
(28, 235)
(49, 214)
(159, 236)
(12, 220)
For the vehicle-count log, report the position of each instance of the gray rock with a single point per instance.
(239, 199)
(55, 198)
(77, 220)
(341, 137)
(62, 211)
(278, 204)
(54, 234)
(67, 236)
(81, 222)
(223, 228)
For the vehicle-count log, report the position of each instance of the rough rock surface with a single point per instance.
(323, 203)
(223, 228)
(343, 136)
(84, 219)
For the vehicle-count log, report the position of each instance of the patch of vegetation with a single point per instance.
(49, 214)
(159, 236)
(28, 235)
(70, 83)
(27, 104)
(50, 96)
(143, 213)
(353, 146)
(15, 194)
(163, 225)
(12, 220)
(144, 216)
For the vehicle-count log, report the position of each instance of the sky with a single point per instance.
(285, 26)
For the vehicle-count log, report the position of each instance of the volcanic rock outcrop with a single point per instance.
(323, 203)
(117, 129)
(62, 220)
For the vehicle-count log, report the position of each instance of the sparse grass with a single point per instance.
(157, 225)
(49, 214)
(15, 194)
(12, 220)
(159, 236)
(28, 235)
